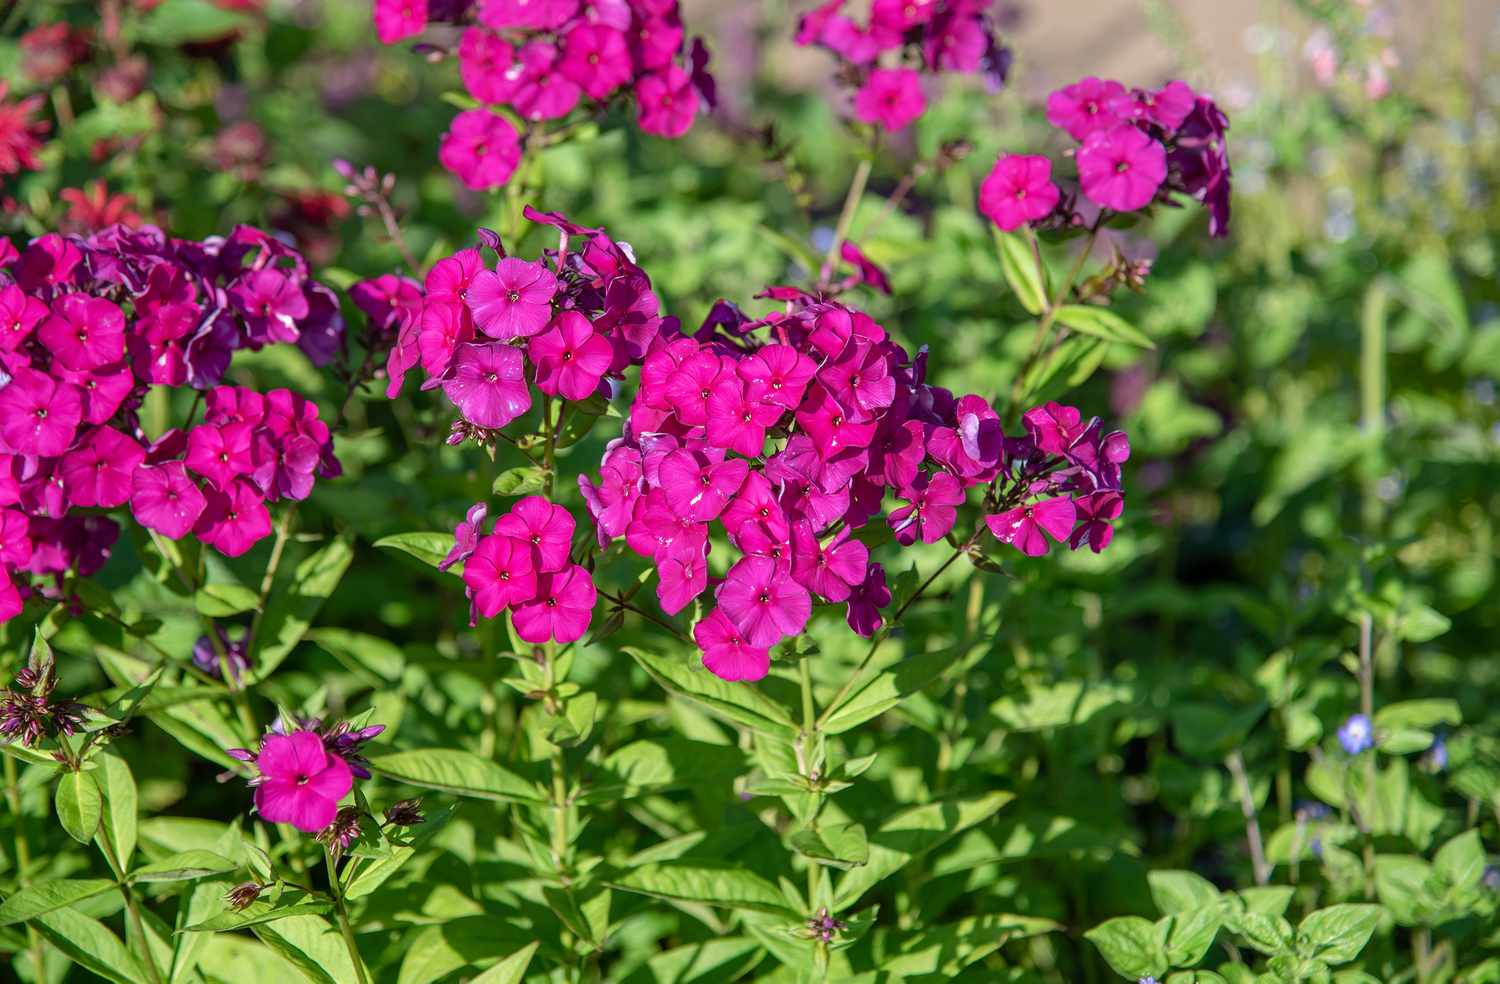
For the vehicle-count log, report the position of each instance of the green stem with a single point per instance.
(23, 859)
(629, 606)
(1372, 324)
(132, 905)
(1262, 870)
(846, 218)
(549, 459)
(346, 929)
(1049, 316)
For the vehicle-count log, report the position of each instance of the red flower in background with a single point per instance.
(92, 208)
(20, 135)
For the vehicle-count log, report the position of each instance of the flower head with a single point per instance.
(299, 782)
(1356, 734)
(561, 610)
(726, 652)
(891, 97)
(1018, 190)
(1121, 168)
(514, 300)
(488, 384)
(765, 606)
(481, 149)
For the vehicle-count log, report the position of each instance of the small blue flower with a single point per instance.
(1491, 878)
(1357, 734)
(1146, 980)
(1437, 755)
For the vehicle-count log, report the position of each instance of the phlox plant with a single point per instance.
(605, 534)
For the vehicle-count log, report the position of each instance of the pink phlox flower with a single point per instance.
(542, 91)
(698, 485)
(777, 374)
(657, 531)
(570, 357)
(300, 783)
(726, 652)
(736, 420)
(514, 300)
(541, 527)
(466, 536)
(680, 578)
(234, 518)
(165, 499)
(655, 41)
(1096, 510)
(221, 454)
(869, 274)
(397, 20)
(668, 102)
(866, 600)
(832, 427)
(1085, 106)
(688, 388)
(98, 473)
(488, 384)
(1022, 527)
(535, 15)
(84, 332)
(499, 573)
(271, 303)
(481, 149)
(486, 63)
(596, 57)
(561, 610)
(38, 414)
(891, 97)
(932, 510)
(764, 604)
(1121, 168)
(755, 502)
(20, 313)
(831, 570)
(860, 380)
(1018, 190)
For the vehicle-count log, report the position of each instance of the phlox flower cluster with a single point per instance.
(524, 564)
(87, 327)
(565, 322)
(903, 40)
(304, 769)
(539, 60)
(1136, 146)
(791, 434)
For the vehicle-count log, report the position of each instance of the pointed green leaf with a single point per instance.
(313, 944)
(839, 845)
(91, 945)
(117, 789)
(887, 689)
(741, 703)
(1460, 862)
(511, 970)
(183, 867)
(1181, 891)
(1129, 945)
(651, 765)
(1102, 323)
(79, 805)
(429, 548)
(291, 608)
(730, 887)
(224, 600)
(1020, 269)
(525, 480)
(43, 897)
(1336, 934)
(456, 771)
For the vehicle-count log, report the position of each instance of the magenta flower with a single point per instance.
(1121, 168)
(756, 502)
(668, 102)
(562, 609)
(481, 149)
(1095, 512)
(596, 57)
(11, 603)
(163, 498)
(656, 531)
(484, 62)
(499, 573)
(84, 332)
(777, 374)
(867, 270)
(762, 603)
(932, 511)
(689, 387)
(466, 536)
(20, 313)
(234, 519)
(1018, 190)
(488, 384)
(866, 601)
(271, 303)
(570, 357)
(697, 486)
(736, 420)
(656, 39)
(832, 428)
(860, 380)
(443, 326)
(300, 782)
(680, 579)
(831, 570)
(99, 473)
(537, 15)
(891, 97)
(897, 452)
(221, 454)
(38, 415)
(397, 20)
(726, 654)
(1167, 107)
(514, 300)
(541, 527)
(1084, 107)
(1022, 526)
(542, 92)
(285, 466)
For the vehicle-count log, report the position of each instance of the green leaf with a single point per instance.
(43, 897)
(526, 480)
(838, 845)
(941, 952)
(1460, 862)
(288, 905)
(1072, 702)
(292, 607)
(224, 600)
(1188, 935)
(1129, 945)
(438, 951)
(887, 689)
(117, 789)
(1336, 934)
(1102, 323)
(372, 874)
(912, 833)
(710, 962)
(313, 944)
(1423, 714)
(1266, 933)
(741, 703)
(79, 805)
(456, 771)
(1177, 892)
(1195, 977)
(179, 22)
(429, 548)
(576, 722)
(380, 657)
(1019, 266)
(1208, 731)
(90, 944)
(183, 867)
(652, 765)
(511, 970)
(728, 887)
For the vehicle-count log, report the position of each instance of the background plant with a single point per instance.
(1308, 540)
